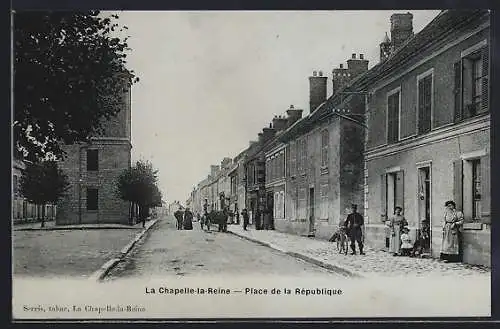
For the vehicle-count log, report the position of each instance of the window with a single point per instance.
(324, 148)
(393, 117)
(476, 189)
(472, 83)
(302, 204)
(302, 155)
(92, 160)
(92, 199)
(425, 104)
(392, 193)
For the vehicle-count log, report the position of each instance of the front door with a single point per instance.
(424, 203)
(311, 211)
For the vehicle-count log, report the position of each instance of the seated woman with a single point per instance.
(423, 242)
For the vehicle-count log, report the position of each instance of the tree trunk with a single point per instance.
(43, 216)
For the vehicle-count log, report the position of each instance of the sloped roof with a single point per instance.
(445, 23)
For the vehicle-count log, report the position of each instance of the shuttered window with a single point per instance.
(324, 148)
(471, 88)
(393, 117)
(424, 104)
(92, 160)
(92, 199)
(293, 158)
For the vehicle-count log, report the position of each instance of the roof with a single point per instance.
(445, 23)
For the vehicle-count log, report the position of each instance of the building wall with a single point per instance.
(113, 157)
(442, 65)
(324, 180)
(441, 155)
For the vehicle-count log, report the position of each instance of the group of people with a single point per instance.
(398, 240)
(184, 219)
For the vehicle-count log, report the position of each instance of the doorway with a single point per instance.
(311, 211)
(424, 205)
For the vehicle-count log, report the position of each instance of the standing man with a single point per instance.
(354, 224)
(246, 219)
(179, 217)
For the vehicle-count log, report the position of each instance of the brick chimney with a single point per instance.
(268, 133)
(293, 115)
(401, 29)
(279, 123)
(317, 90)
(342, 76)
(357, 66)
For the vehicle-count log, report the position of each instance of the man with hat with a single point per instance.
(354, 227)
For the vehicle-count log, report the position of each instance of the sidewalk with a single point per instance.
(374, 264)
(70, 251)
(50, 226)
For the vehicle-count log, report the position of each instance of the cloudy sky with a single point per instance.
(210, 81)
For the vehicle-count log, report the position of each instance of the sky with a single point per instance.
(210, 81)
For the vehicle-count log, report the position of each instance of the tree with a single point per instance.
(43, 183)
(138, 185)
(69, 76)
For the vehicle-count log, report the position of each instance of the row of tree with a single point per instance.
(45, 183)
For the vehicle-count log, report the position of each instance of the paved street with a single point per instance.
(166, 251)
(75, 253)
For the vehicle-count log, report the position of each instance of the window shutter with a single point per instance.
(457, 183)
(400, 200)
(383, 197)
(421, 106)
(458, 91)
(485, 189)
(485, 55)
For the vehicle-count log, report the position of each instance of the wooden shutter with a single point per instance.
(458, 91)
(458, 183)
(485, 189)
(485, 55)
(400, 200)
(424, 104)
(383, 197)
(421, 105)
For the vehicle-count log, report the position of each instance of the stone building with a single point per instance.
(428, 138)
(276, 155)
(324, 156)
(93, 169)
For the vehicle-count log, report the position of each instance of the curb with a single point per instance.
(62, 228)
(308, 259)
(101, 273)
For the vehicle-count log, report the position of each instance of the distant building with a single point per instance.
(22, 210)
(93, 170)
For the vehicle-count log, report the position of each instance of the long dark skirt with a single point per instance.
(454, 258)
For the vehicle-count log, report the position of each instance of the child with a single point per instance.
(406, 246)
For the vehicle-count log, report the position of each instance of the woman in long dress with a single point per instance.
(397, 222)
(450, 246)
